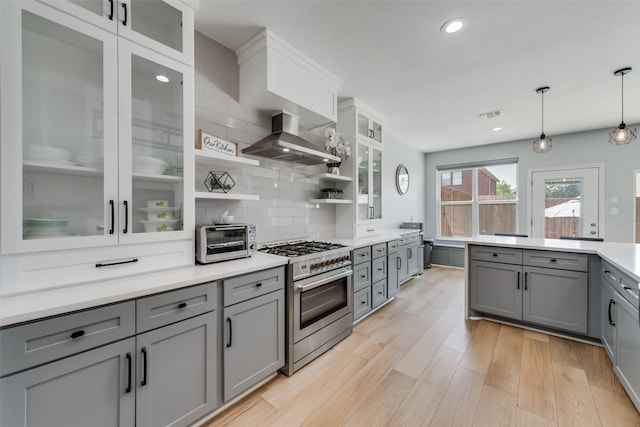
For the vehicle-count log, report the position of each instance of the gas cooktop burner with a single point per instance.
(295, 249)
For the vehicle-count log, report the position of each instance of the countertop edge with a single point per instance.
(27, 307)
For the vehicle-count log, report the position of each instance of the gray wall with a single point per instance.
(571, 149)
(397, 208)
(283, 211)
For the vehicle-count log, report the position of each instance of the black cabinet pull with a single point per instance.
(495, 255)
(126, 216)
(553, 260)
(363, 276)
(410, 255)
(128, 389)
(380, 269)
(182, 305)
(108, 264)
(124, 21)
(144, 367)
(607, 272)
(363, 302)
(111, 10)
(113, 216)
(77, 334)
(379, 292)
(518, 284)
(398, 263)
(230, 332)
(611, 322)
(525, 281)
(258, 285)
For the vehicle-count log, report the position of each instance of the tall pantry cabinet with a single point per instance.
(97, 126)
(363, 130)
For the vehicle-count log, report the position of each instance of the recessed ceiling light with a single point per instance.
(496, 129)
(454, 25)
(163, 79)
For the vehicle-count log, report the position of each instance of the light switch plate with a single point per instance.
(615, 211)
(614, 200)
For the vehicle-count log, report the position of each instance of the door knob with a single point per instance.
(593, 224)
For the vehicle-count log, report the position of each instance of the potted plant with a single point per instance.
(331, 193)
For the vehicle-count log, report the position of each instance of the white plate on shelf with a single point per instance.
(49, 162)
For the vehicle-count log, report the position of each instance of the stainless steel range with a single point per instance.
(319, 298)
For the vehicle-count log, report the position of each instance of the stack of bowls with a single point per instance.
(149, 165)
(159, 216)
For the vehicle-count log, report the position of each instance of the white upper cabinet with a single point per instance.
(165, 26)
(365, 166)
(89, 135)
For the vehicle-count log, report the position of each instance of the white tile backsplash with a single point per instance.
(283, 211)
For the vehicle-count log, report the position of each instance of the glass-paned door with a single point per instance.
(376, 181)
(565, 203)
(63, 74)
(362, 198)
(151, 142)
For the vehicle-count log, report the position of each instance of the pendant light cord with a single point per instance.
(543, 112)
(622, 88)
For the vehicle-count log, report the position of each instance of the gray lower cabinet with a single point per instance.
(402, 261)
(176, 372)
(627, 363)
(496, 288)
(553, 297)
(608, 317)
(94, 388)
(253, 339)
(361, 302)
(412, 260)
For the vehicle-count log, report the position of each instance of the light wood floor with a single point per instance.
(418, 362)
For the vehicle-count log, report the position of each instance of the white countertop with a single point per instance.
(31, 306)
(387, 236)
(625, 256)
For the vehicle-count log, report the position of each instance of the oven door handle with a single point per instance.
(319, 283)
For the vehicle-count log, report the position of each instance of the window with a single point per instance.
(477, 199)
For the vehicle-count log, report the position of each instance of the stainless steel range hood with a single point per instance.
(285, 144)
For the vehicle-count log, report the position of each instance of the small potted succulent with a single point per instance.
(331, 193)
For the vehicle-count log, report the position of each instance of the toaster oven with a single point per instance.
(220, 242)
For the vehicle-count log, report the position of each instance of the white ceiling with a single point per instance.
(431, 86)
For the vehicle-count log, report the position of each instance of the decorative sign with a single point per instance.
(210, 142)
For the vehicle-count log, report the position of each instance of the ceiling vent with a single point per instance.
(490, 114)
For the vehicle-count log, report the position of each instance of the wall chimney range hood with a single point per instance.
(284, 144)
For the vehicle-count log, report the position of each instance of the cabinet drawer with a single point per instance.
(379, 250)
(610, 274)
(378, 269)
(361, 276)
(496, 254)
(410, 238)
(47, 340)
(393, 246)
(361, 302)
(365, 230)
(170, 307)
(559, 260)
(378, 293)
(361, 255)
(242, 288)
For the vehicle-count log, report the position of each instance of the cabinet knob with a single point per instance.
(182, 305)
(77, 334)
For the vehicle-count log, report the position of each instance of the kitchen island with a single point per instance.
(577, 289)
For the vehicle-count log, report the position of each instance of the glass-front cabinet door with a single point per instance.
(59, 134)
(160, 25)
(376, 183)
(152, 111)
(363, 177)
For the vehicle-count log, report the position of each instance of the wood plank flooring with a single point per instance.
(417, 362)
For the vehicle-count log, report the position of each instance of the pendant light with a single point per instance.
(542, 144)
(622, 134)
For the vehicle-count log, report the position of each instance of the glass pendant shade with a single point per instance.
(542, 144)
(622, 134)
